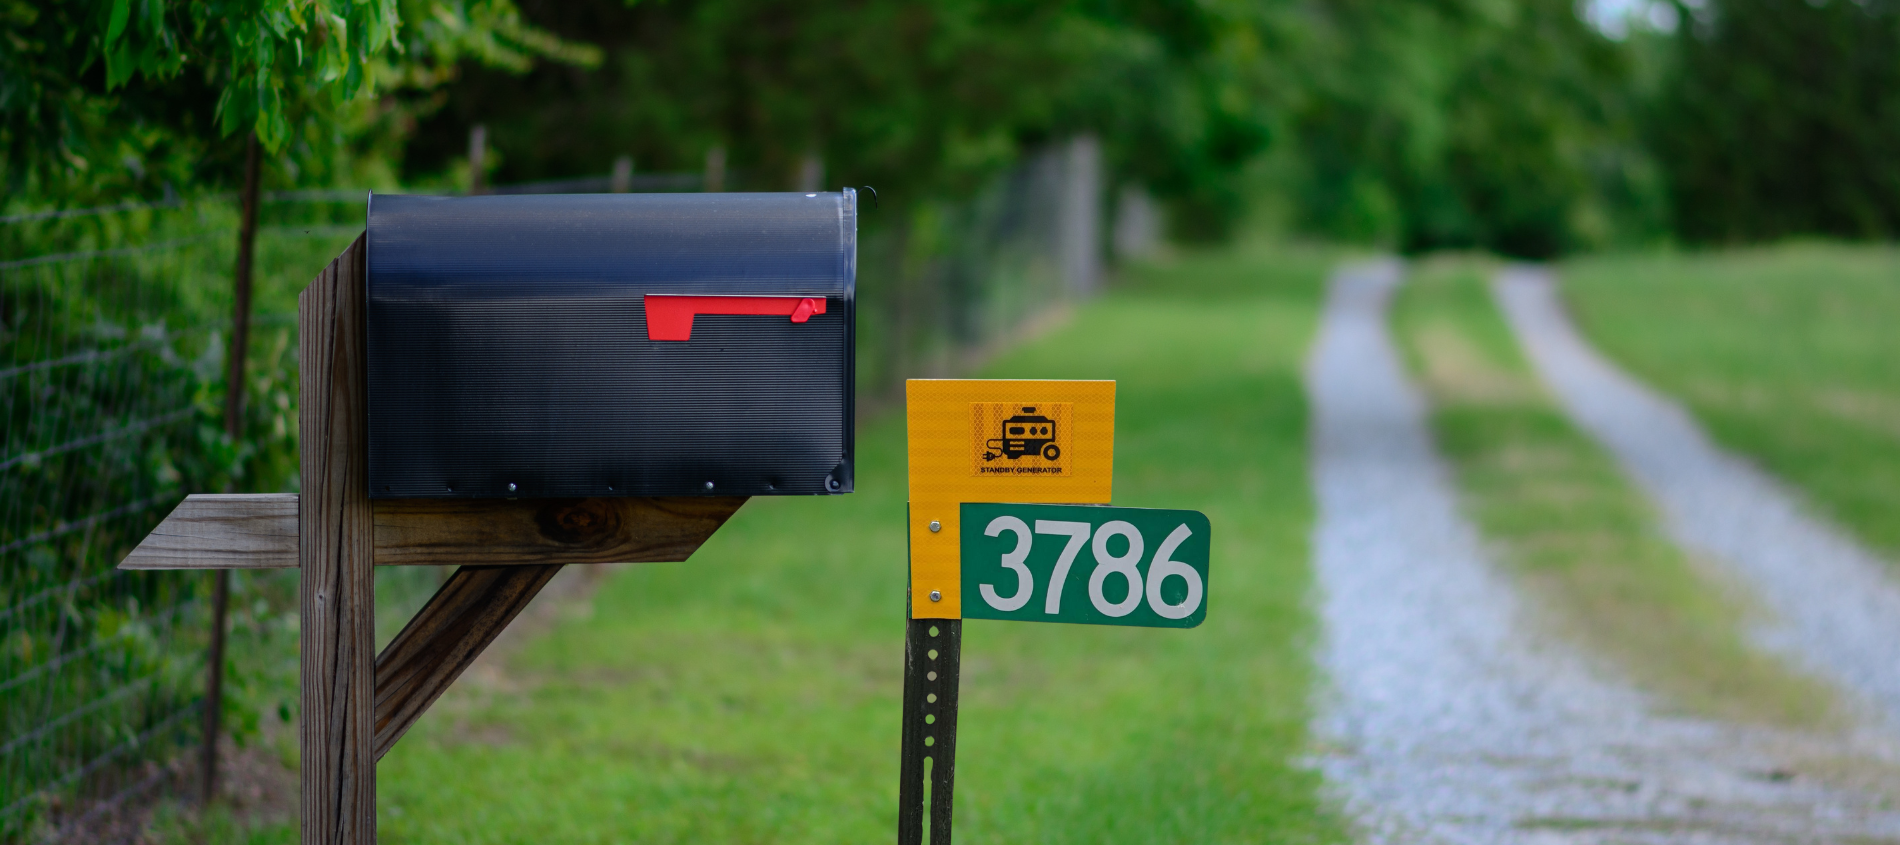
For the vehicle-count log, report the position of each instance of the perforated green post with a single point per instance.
(933, 650)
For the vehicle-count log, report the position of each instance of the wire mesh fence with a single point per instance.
(113, 327)
(941, 289)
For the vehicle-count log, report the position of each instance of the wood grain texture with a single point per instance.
(444, 638)
(260, 531)
(335, 533)
(493, 532)
(222, 531)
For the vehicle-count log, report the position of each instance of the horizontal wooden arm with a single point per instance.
(244, 531)
(240, 531)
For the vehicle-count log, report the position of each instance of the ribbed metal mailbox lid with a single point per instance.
(511, 352)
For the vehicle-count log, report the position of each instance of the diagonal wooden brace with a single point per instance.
(444, 638)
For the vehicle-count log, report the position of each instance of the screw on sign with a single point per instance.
(1009, 487)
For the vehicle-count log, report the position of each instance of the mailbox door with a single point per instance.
(611, 345)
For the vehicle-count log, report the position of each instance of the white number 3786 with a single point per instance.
(1108, 565)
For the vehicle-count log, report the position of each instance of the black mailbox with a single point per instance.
(611, 345)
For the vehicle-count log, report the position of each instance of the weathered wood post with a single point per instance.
(336, 549)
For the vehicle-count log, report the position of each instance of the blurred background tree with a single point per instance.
(1529, 127)
(101, 99)
(921, 100)
(1472, 124)
(1783, 118)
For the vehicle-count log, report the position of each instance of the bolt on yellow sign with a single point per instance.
(983, 440)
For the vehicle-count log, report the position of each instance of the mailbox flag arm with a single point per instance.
(671, 317)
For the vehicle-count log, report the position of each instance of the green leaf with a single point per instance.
(115, 23)
(260, 92)
(229, 112)
(272, 128)
(119, 65)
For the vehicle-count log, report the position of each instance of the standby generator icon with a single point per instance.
(1027, 433)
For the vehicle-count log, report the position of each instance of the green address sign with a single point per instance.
(1084, 564)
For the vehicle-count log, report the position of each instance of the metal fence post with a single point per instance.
(477, 159)
(1080, 229)
(715, 179)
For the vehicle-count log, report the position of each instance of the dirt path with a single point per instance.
(1447, 720)
(1836, 607)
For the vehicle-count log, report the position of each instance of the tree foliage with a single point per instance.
(1508, 126)
(154, 85)
(1511, 125)
(1783, 117)
(1515, 126)
(921, 100)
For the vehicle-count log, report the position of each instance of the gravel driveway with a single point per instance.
(1447, 718)
(1835, 604)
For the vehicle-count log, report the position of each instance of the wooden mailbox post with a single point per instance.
(357, 703)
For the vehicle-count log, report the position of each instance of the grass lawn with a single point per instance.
(1580, 534)
(752, 694)
(1788, 354)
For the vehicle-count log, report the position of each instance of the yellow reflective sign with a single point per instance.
(996, 440)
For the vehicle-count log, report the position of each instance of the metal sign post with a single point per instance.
(933, 650)
(1007, 480)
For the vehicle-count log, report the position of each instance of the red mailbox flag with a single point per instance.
(671, 317)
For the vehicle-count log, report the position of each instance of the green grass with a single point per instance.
(174, 823)
(751, 694)
(1581, 536)
(1787, 354)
